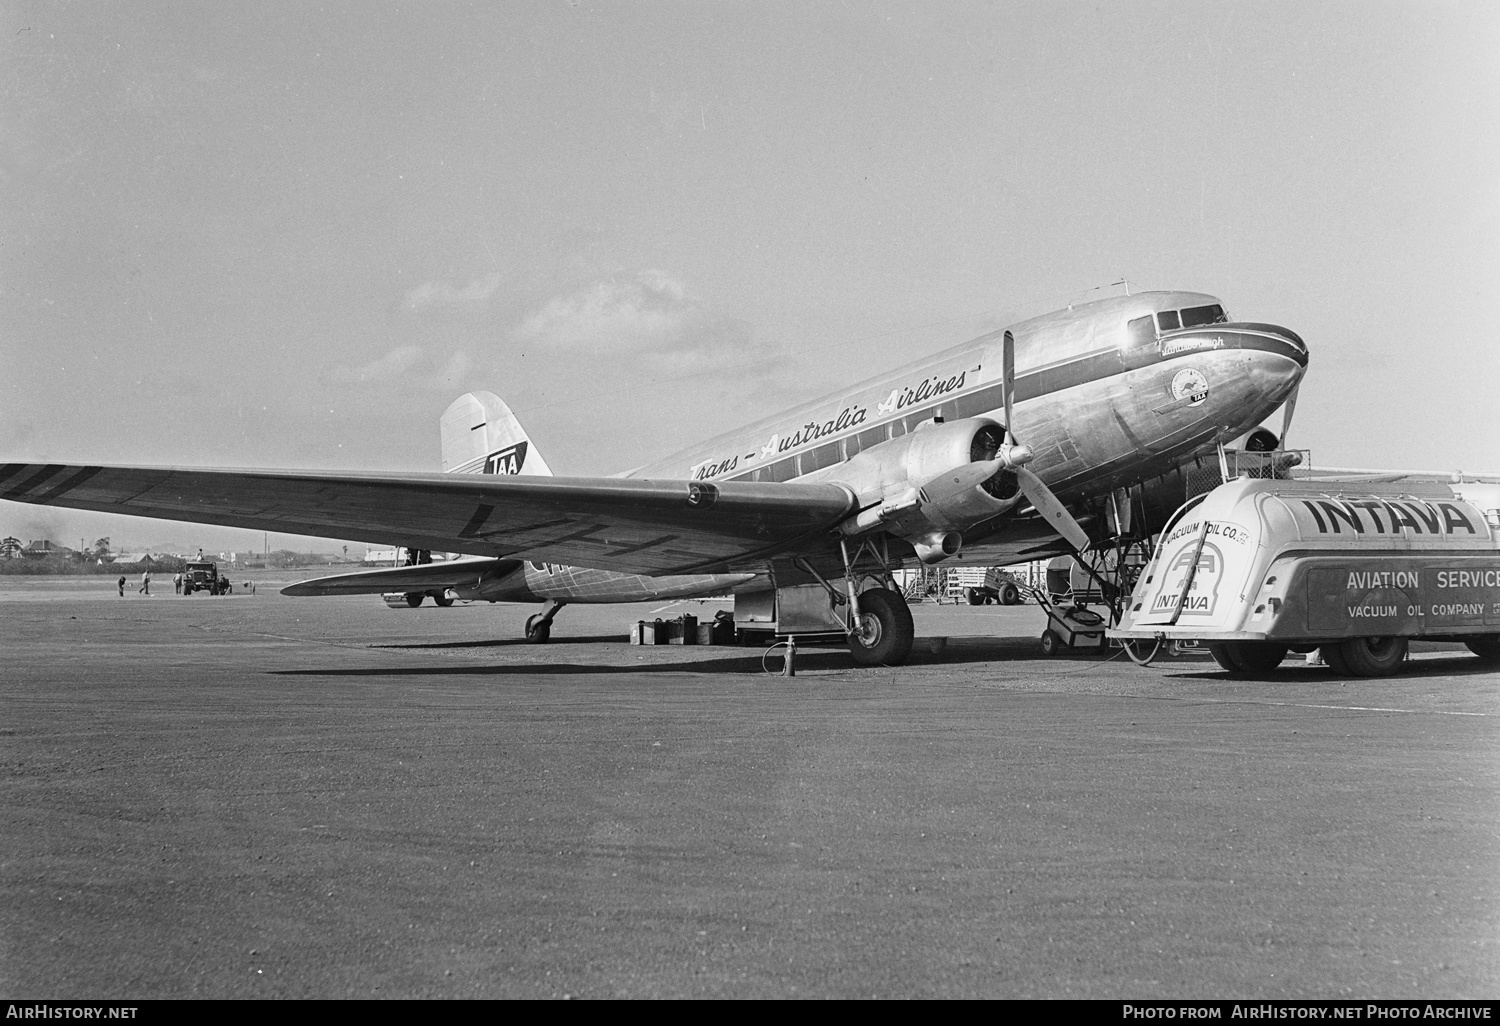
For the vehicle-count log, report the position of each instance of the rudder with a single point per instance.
(482, 436)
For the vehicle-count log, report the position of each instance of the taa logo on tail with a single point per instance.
(509, 460)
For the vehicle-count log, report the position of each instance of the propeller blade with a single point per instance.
(1008, 381)
(1053, 511)
(1286, 413)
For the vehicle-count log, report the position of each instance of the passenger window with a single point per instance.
(822, 456)
(783, 470)
(898, 428)
(1168, 320)
(1140, 332)
(1193, 316)
(866, 439)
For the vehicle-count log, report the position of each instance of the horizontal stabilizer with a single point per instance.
(423, 577)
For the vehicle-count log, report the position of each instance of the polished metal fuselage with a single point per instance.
(1101, 408)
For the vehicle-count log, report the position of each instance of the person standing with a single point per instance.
(122, 586)
(177, 583)
(145, 583)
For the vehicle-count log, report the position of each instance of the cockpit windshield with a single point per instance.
(1194, 316)
(1143, 331)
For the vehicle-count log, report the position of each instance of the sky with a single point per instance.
(276, 236)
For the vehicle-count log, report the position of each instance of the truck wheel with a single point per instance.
(414, 598)
(1220, 651)
(1051, 643)
(885, 629)
(442, 599)
(1333, 655)
(973, 597)
(1257, 656)
(1373, 657)
(1010, 595)
(1487, 649)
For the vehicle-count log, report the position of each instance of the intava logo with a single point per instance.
(1202, 591)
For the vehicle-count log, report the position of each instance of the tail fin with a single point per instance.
(482, 436)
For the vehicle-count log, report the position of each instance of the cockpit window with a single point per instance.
(1196, 315)
(1167, 319)
(1140, 332)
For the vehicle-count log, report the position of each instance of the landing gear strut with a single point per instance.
(539, 626)
(879, 623)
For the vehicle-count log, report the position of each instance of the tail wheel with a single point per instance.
(885, 629)
(414, 598)
(442, 599)
(1010, 595)
(1373, 657)
(538, 630)
(1487, 649)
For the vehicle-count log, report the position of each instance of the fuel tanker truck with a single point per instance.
(1258, 568)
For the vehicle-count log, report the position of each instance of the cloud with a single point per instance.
(410, 365)
(475, 295)
(647, 313)
(388, 368)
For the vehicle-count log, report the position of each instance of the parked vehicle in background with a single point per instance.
(203, 576)
(984, 585)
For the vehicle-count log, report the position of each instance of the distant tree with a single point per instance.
(101, 548)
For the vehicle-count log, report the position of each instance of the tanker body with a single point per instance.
(1257, 568)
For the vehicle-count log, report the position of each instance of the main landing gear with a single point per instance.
(883, 631)
(877, 620)
(539, 627)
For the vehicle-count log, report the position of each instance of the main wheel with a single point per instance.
(538, 630)
(1487, 649)
(414, 598)
(1373, 657)
(1010, 595)
(442, 599)
(1051, 643)
(885, 629)
(1257, 656)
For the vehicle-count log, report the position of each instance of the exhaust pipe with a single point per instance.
(937, 546)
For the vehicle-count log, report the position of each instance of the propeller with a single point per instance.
(1286, 412)
(1016, 456)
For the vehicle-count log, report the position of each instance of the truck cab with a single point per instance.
(203, 576)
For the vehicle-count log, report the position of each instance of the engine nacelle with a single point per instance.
(932, 483)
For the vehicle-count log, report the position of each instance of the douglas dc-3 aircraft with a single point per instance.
(1064, 430)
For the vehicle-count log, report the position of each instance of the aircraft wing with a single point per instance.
(449, 573)
(632, 525)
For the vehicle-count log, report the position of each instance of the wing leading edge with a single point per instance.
(627, 524)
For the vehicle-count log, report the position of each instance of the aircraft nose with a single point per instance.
(1275, 339)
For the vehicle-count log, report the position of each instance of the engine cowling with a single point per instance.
(940, 479)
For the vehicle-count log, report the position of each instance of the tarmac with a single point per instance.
(259, 796)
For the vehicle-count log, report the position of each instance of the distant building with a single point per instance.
(43, 548)
(10, 548)
(397, 557)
